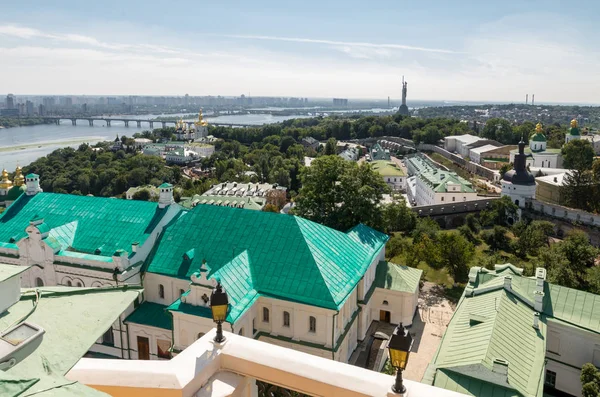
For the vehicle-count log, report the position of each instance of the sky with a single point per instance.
(447, 50)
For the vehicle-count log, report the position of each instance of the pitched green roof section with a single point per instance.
(10, 271)
(287, 256)
(151, 314)
(471, 386)
(397, 278)
(69, 333)
(83, 224)
(387, 168)
(439, 180)
(494, 325)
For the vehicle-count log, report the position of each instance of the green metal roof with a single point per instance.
(15, 192)
(397, 278)
(152, 314)
(387, 168)
(439, 179)
(471, 386)
(10, 271)
(489, 326)
(570, 305)
(574, 131)
(539, 137)
(273, 254)
(87, 223)
(69, 333)
(165, 185)
(249, 203)
(32, 175)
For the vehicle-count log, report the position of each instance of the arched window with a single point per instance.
(181, 292)
(69, 283)
(312, 324)
(161, 291)
(265, 315)
(200, 335)
(286, 319)
(385, 303)
(79, 284)
(39, 282)
(241, 331)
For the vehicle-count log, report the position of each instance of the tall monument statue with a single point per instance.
(403, 110)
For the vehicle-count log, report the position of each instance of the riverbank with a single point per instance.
(11, 122)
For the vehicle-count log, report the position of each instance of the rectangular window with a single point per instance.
(312, 324)
(162, 348)
(108, 337)
(286, 319)
(550, 378)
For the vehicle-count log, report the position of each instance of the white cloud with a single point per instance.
(344, 43)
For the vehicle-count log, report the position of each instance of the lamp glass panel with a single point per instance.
(398, 358)
(219, 312)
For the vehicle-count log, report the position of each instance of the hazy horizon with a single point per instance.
(466, 51)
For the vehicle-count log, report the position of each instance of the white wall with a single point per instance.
(10, 292)
(152, 333)
(172, 287)
(573, 347)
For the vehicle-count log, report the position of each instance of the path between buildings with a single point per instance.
(429, 324)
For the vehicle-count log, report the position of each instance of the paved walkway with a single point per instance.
(429, 325)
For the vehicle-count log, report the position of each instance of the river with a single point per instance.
(23, 145)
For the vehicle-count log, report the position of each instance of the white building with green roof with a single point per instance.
(513, 335)
(81, 241)
(392, 174)
(538, 153)
(290, 281)
(441, 187)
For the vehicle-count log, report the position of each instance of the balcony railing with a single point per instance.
(236, 368)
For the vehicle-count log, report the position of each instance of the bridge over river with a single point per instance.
(109, 120)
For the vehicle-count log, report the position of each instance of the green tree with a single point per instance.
(141, 195)
(578, 155)
(505, 168)
(472, 223)
(425, 227)
(533, 237)
(504, 211)
(498, 129)
(593, 279)
(455, 252)
(340, 194)
(330, 147)
(590, 380)
(497, 238)
(399, 218)
(270, 208)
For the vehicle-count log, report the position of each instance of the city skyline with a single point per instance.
(465, 52)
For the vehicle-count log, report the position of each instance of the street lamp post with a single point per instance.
(399, 347)
(219, 303)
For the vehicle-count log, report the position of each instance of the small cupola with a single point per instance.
(33, 184)
(165, 196)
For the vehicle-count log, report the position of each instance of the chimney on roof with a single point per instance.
(538, 303)
(536, 320)
(32, 182)
(165, 196)
(500, 366)
(134, 246)
(540, 277)
(508, 283)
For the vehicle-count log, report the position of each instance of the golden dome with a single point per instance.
(19, 178)
(201, 121)
(538, 128)
(5, 183)
(574, 123)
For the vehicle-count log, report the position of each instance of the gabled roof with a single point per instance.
(276, 255)
(85, 223)
(397, 277)
(489, 326)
